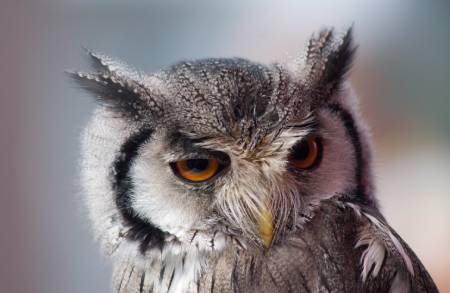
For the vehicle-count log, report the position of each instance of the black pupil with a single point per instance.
(197, 165)
(300, 151)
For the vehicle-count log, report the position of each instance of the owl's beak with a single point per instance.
(265, 226)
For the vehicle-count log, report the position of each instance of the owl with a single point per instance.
(227, 175)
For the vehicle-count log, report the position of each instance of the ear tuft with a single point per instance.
(116, 86)
(339, 61)
(121, 96)
(328, 60)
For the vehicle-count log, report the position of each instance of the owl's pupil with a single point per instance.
(301, 151)
(197, 165)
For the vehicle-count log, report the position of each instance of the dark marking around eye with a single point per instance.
(139, 230)
(353, 135)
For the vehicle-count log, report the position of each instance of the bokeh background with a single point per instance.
(401, 74)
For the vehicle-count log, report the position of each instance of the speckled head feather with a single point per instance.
(233, 97)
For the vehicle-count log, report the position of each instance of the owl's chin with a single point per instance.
(150, 241)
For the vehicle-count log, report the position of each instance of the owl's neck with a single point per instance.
(171, 273)
(174, 267)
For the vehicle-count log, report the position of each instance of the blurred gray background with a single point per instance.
(401, 74)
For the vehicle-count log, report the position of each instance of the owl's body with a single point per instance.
(224, 175)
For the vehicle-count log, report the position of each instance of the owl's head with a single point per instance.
(218, 151)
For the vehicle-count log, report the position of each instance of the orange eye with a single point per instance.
(196, 170)
(306, 153)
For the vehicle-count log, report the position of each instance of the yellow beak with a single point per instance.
(266, 227)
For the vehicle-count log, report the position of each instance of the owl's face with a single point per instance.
(220, 151)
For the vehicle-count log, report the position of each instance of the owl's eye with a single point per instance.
(306, 153)
(196, 170)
